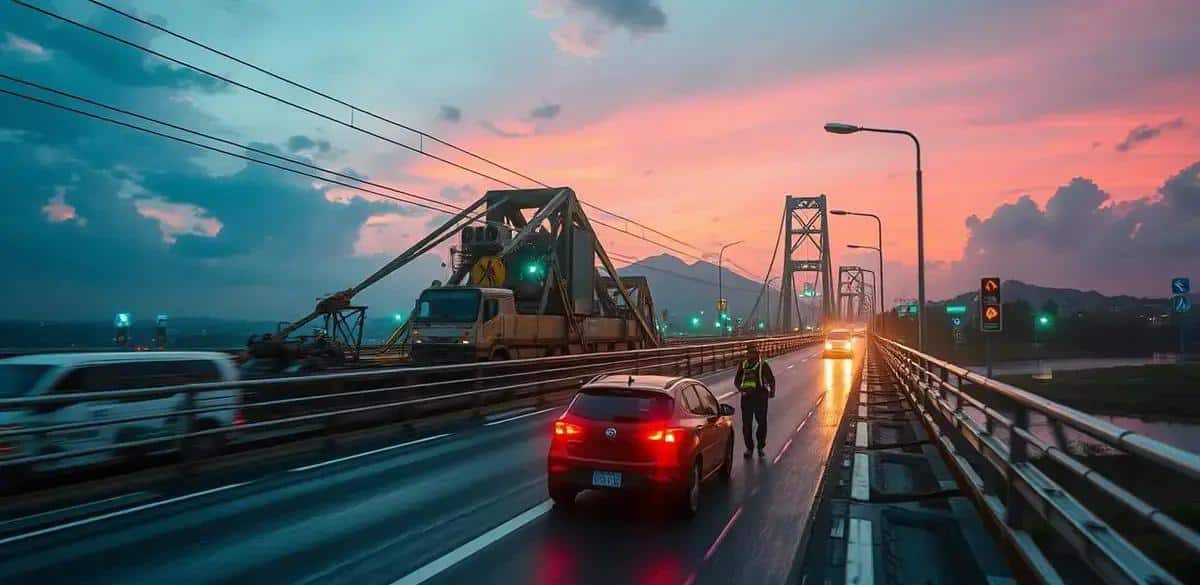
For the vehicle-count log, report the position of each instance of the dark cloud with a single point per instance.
(301, 143)
(104, 57)
(1145, 132)
(449, 113)
(98, 218)
(638, 16)
(545, 112)
(1081, 239)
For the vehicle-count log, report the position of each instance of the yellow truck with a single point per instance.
(456, 324)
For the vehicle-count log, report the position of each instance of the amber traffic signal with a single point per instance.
(991, 310)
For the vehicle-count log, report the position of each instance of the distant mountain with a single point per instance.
(1070, 300)
(685, 290)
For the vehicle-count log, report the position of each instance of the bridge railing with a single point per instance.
(1009, 471)
(332, 402)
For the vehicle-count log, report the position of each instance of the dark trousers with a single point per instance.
(754, 408)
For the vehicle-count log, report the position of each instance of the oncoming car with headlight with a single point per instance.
(839, 343)
(653, 434)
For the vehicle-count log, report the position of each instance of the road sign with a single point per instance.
(1181, 304)
(488, 271)
(957, 321)
(1181, 285)
(956, 309)
(991, 310)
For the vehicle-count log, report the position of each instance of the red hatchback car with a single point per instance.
(641, 433)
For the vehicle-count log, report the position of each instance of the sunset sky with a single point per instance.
(1061, 140)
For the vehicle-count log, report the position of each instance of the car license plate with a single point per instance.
(606, 479)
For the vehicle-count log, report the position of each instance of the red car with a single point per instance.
(641, 433)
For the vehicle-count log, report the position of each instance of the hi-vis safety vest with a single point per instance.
(751, 375)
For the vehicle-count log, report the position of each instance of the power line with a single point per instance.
(223, 141)
(218, 150)
(342, 102)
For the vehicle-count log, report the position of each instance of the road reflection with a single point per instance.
(838, 376)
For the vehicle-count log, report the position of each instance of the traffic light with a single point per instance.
(1045, 321)
(695, 321)
(762, 325)
(808, 290)
(122, 322)
(534, 270)
(991, 310)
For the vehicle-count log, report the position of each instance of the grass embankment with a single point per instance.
(1149, 391)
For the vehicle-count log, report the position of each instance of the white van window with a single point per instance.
(16, 380)
(141, 374)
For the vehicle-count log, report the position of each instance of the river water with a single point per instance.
(1184, 434)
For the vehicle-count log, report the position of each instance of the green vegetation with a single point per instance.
(1148, 391)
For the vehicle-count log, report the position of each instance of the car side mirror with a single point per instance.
(726, 410)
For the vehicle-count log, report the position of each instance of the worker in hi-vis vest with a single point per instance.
(756, 384)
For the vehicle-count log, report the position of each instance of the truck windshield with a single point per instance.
(448, 306)
(16, 380)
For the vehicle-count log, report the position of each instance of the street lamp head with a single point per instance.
(839, 212)
(841, 128)
(855, 246)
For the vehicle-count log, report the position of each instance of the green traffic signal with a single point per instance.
(695, 321)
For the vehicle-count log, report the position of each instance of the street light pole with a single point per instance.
(721, 285)
(879, 242)
(878, 250)
(842, 128)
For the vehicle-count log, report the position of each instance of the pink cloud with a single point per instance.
(57, 210)
(176, 219)
(28, 49)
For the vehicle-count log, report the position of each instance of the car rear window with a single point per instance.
(839, 335)
(621, 405)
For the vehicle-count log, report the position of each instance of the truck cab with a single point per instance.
(453, 324)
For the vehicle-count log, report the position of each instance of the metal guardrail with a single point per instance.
(358, 398)
(1004, 467)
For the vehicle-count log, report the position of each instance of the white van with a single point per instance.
(82, 373)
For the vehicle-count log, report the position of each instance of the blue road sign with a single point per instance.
(1181, 304)
(1181, 285)
(957, 321)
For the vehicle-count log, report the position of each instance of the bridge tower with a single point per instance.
(855, 293)
(806, 241)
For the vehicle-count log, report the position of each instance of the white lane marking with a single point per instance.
(372, 452)
(33, 517)
(782, 451)
(726, 395)
(860, 479)
(790, 366)
(861, 430)
(862, 411)
(860, 554)
(691, 579)
(512, 418)
(52, 529)
(716, 543)
(435, 567)
(801, 424)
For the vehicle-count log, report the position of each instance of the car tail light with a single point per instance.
(665, 435)
(563, 428)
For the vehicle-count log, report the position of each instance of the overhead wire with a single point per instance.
(220, 150)
(339, 101)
